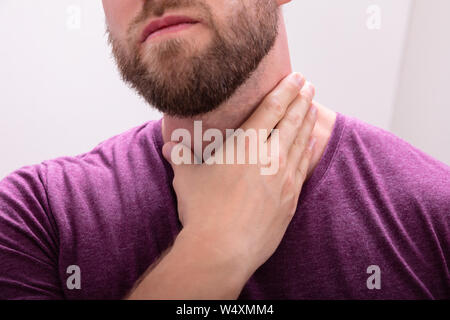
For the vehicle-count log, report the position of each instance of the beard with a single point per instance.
(182, 81)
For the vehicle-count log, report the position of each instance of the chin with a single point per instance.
(172, 52)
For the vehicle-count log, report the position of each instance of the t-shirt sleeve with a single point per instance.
(28, 238)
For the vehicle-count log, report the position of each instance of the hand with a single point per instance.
(234, 209)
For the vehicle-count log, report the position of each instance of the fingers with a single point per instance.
(290, 125)
(274, 105)
(302, 168)
(301, 150)
(303, 135)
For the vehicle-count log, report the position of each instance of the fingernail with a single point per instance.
(299, 79)
(312, 143)
(308, 88)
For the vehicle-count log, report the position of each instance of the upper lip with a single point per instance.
(161, 23)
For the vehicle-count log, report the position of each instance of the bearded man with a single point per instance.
(352, 212)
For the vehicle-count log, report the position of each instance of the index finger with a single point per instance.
(275, 104)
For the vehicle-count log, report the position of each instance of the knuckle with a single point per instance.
(301, 173)
(175, 182)
(299, 142)
(291, 205)
(289, 182)
(294, 119)
(291, 213)
(275, 106)
(307, 152)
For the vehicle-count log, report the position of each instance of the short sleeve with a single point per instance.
(28, 238)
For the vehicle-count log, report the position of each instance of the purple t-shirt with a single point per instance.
(372, 222)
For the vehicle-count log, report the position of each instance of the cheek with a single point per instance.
(226, 11)
(119, 14)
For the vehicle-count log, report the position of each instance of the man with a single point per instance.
(371, 221)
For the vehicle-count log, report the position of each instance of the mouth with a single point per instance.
(166, 25)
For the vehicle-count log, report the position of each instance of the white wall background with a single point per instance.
(422, 108)
(61, 94)
(355, 69)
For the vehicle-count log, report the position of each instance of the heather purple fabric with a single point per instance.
(372, 200)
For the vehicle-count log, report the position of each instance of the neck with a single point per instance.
(233, 113)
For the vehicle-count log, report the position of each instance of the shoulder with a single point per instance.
(28, 237)
(114, 150)
(119, 155)
(363, 140)
(31, 190)
(396, 166)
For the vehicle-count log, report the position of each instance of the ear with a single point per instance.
(281, 2)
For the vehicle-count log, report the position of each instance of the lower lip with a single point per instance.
(171, 29)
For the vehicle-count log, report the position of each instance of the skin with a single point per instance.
(215, 254)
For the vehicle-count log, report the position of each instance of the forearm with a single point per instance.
(192, 269)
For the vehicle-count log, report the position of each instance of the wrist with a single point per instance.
(228, 264)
